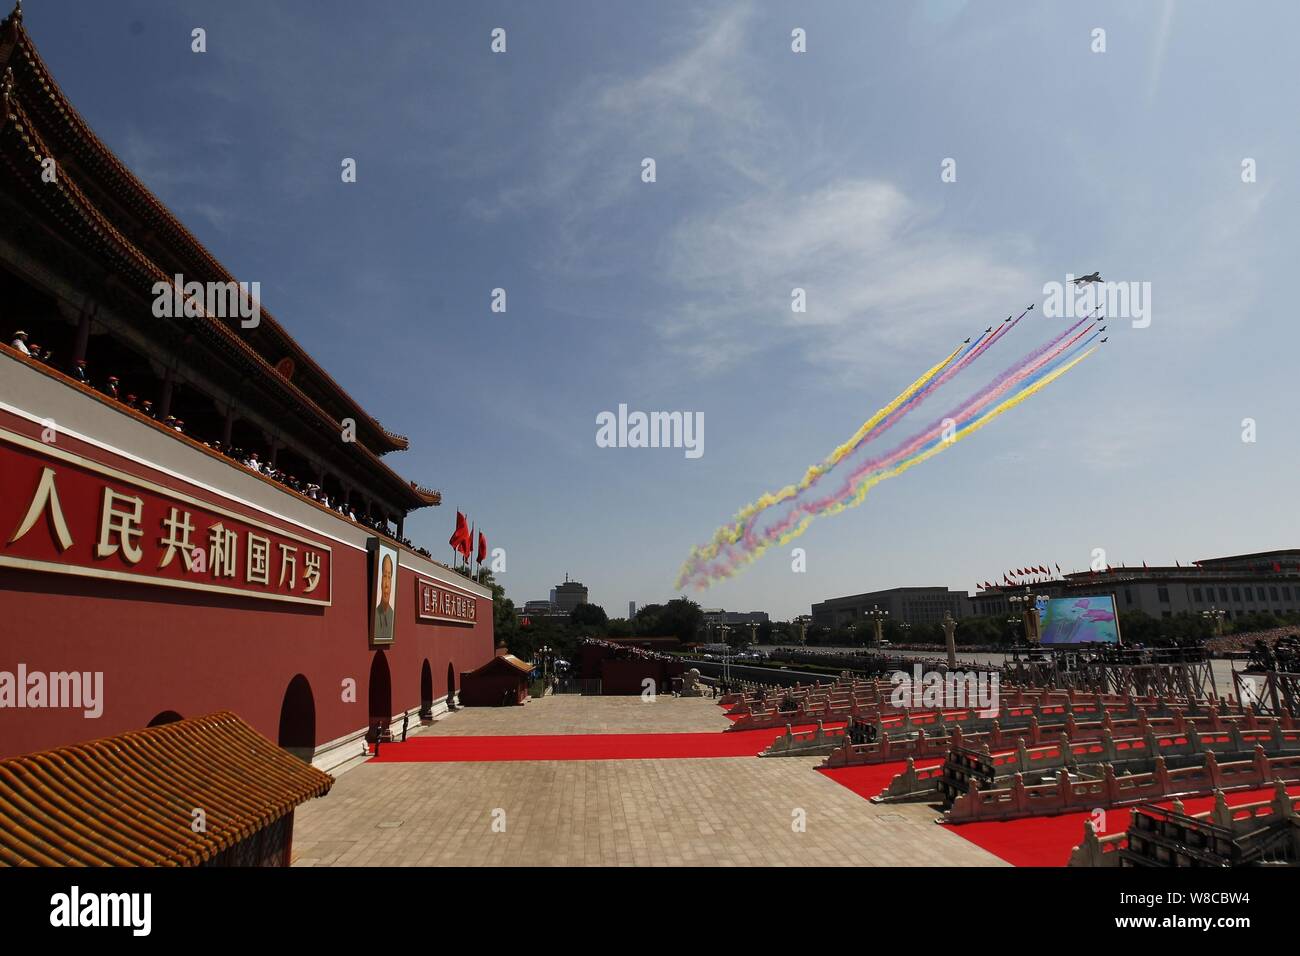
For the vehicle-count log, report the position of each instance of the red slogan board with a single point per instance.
(437, 602)
(62, 513)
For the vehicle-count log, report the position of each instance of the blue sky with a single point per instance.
(774, 170)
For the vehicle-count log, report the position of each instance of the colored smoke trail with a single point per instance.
(738, 544)
(1019, 372)
(911, 397)
(816, 471)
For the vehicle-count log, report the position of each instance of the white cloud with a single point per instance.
(880, 272)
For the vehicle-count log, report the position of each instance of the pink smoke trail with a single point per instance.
(1018, 372)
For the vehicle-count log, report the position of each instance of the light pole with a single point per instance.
(1027, 606)
(878, 619)
(853, 634)
(726, 654)
(1215, 614)
(950, 637)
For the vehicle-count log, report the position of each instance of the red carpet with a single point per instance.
(439, 749)
(867, 781)
(1047, 841)
(1034, 841)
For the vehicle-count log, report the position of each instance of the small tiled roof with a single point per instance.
(507, 659)
(129, 800)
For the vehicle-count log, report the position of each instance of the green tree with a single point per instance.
(680, 618)
(589, 616)
(619, 627)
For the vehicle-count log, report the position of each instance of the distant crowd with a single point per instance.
(112, 387)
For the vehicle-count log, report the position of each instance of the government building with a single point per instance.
(1237, 585)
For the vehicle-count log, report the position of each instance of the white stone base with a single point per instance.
(342, 754)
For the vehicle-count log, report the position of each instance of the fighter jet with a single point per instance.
(1102, 329)
(966, 341)
(1084, 280)
(1106, 339)
(988, 330)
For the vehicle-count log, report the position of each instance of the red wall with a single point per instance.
(163, 649)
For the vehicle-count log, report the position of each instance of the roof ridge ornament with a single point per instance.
(7, 90)
(17, 14)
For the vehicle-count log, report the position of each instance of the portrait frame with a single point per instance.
(382, 595)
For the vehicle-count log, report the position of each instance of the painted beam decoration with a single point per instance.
(438, 602)
(65, 514)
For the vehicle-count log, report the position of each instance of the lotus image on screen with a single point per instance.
(1080, 620)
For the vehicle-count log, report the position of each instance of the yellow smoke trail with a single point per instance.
(731, 533)
(876, 478)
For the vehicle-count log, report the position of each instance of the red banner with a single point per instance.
(438, 602)
(62, 513)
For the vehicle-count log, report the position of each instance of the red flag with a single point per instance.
(1006, 579)
(467, 545)
(1058, 569)
(1277, 566)
(482, 547)
(458, 537)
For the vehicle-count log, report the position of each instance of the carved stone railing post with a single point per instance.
(1283, 802)
(1234, 737)
(1064, 788)
(1212, 769)
(1222, 814)
(1088, 852)
(1019, 798)
(1262, 767)
(1160, 776)
(1111, 784)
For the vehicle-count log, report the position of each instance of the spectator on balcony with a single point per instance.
(79, 371)
(147, 408)
(252, 462)
(111, 387)
(20, 342)
(132, 402)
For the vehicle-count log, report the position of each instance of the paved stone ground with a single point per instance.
(575, 714)
(698, 812)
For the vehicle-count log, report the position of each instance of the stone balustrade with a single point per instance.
(1238, 821)
(1068, 795)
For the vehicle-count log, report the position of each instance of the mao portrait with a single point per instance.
(384, 591)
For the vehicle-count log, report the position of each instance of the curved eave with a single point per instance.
(23, 148)
(119, 181)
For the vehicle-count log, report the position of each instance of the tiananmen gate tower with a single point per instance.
(194, 516)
